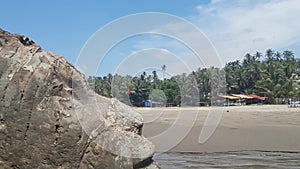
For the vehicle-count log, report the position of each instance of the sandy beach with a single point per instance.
(255, 127)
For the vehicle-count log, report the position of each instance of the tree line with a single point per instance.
(273, 75)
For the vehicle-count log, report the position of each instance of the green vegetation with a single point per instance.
(274, 75)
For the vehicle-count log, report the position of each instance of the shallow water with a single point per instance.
(232, 160)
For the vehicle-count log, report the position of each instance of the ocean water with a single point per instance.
(230, 160)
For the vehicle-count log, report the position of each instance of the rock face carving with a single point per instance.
(49, 118)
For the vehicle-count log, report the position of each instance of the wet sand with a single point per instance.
(257, 127)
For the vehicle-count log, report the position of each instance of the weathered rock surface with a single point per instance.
(49, 118)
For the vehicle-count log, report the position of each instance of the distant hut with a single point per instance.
(243, 99)
(256, 99)
(230, 100)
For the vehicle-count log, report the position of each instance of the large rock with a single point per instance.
(50, 118)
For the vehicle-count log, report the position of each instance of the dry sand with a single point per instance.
(259, 127)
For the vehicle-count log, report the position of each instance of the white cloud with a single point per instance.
(133, 53)
(183, 39)
(165, 52)
(215, 1)
(238, 27)
(178, 58)
(152, 59)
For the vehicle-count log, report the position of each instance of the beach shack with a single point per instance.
(243, 99)
(230, 100)
(256, 99)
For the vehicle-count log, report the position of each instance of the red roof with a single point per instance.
(256, 97)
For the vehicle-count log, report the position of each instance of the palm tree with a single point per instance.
(164, 68)
(288, 55)
(155, 80)
(258, 56)
(278, 56)
(235, 77)
(252, 72)
(269, 55)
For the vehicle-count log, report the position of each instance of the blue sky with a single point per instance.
(234, 27)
